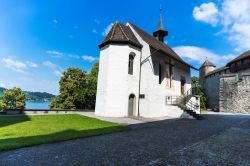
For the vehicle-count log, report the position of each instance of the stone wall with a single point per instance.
(235, 93)
(211, 87)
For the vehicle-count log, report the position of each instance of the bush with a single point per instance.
(198, 90)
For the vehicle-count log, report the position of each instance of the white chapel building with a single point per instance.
(139, 74)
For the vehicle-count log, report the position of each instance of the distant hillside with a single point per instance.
(34, 96)
(1, 90)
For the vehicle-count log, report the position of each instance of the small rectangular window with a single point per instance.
(170, 75)
(160, 73)
(130, 64)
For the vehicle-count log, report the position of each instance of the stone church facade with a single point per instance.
(228, 88)
(139, 73)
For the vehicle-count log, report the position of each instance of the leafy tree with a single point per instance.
(13, 99)
(87, 94)
(77, 89)
(198, 90)
(71, 81)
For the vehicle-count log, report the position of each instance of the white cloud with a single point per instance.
(58, 54)
(234, 18)
(206, 12)
(107, 29)
(55, 21)
(3, 85)
(199, 55)
(74, 56)
(57, 70)
(31, 64)
(55, 54)
(15, 65)
(89, 58)
(49, 64)
(94, 31)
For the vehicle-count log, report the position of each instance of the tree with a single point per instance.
(13, 99)
(71, 81)
(77, 89)
(87, 94)
(198, 90)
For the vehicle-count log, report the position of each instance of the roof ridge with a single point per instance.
(120, 33)
(123, 32)
(113, 30)
(149, 39)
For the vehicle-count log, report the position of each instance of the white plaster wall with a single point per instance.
(114, 83)
(154, 103)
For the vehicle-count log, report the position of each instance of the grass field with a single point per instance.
(21, 131)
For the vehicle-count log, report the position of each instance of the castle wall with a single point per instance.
(235, 93)
(211, 88)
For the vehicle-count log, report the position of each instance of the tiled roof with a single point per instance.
(240, 57)
(207, 63)
(156, 44)
(120, 33)
(216, 71)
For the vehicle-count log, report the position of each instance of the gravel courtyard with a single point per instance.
(217, 140)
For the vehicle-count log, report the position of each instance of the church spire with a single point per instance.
(160, 24)
(161, 32)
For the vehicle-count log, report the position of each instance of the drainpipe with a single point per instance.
(141, 63)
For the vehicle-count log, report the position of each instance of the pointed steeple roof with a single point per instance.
(161, 32)
(120, 34)
(207, 63)
(160, 24)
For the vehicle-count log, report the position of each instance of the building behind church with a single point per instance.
(139, 74)
(228, 87)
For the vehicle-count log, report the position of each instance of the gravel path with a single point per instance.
(217, 140)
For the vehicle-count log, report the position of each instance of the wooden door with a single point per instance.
(183, 87)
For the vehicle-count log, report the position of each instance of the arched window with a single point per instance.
(131, 63)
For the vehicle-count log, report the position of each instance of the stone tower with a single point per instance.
(205, 68)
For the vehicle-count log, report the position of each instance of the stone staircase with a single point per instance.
(185, 103)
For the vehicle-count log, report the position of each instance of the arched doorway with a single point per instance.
(131, 105)
(183, 82)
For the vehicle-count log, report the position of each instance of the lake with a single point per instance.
(37, 105)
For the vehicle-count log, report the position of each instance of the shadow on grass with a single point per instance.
(7, 120)
(13, 143)
(174, 131)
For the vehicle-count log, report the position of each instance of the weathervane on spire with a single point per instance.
(161, 32)
(160, 10)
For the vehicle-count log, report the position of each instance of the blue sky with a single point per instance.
(40, 39)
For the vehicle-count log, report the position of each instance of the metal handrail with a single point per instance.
(183, 101)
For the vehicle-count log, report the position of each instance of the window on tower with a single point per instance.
(131, 63)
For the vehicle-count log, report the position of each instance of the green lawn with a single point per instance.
(21, 131)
